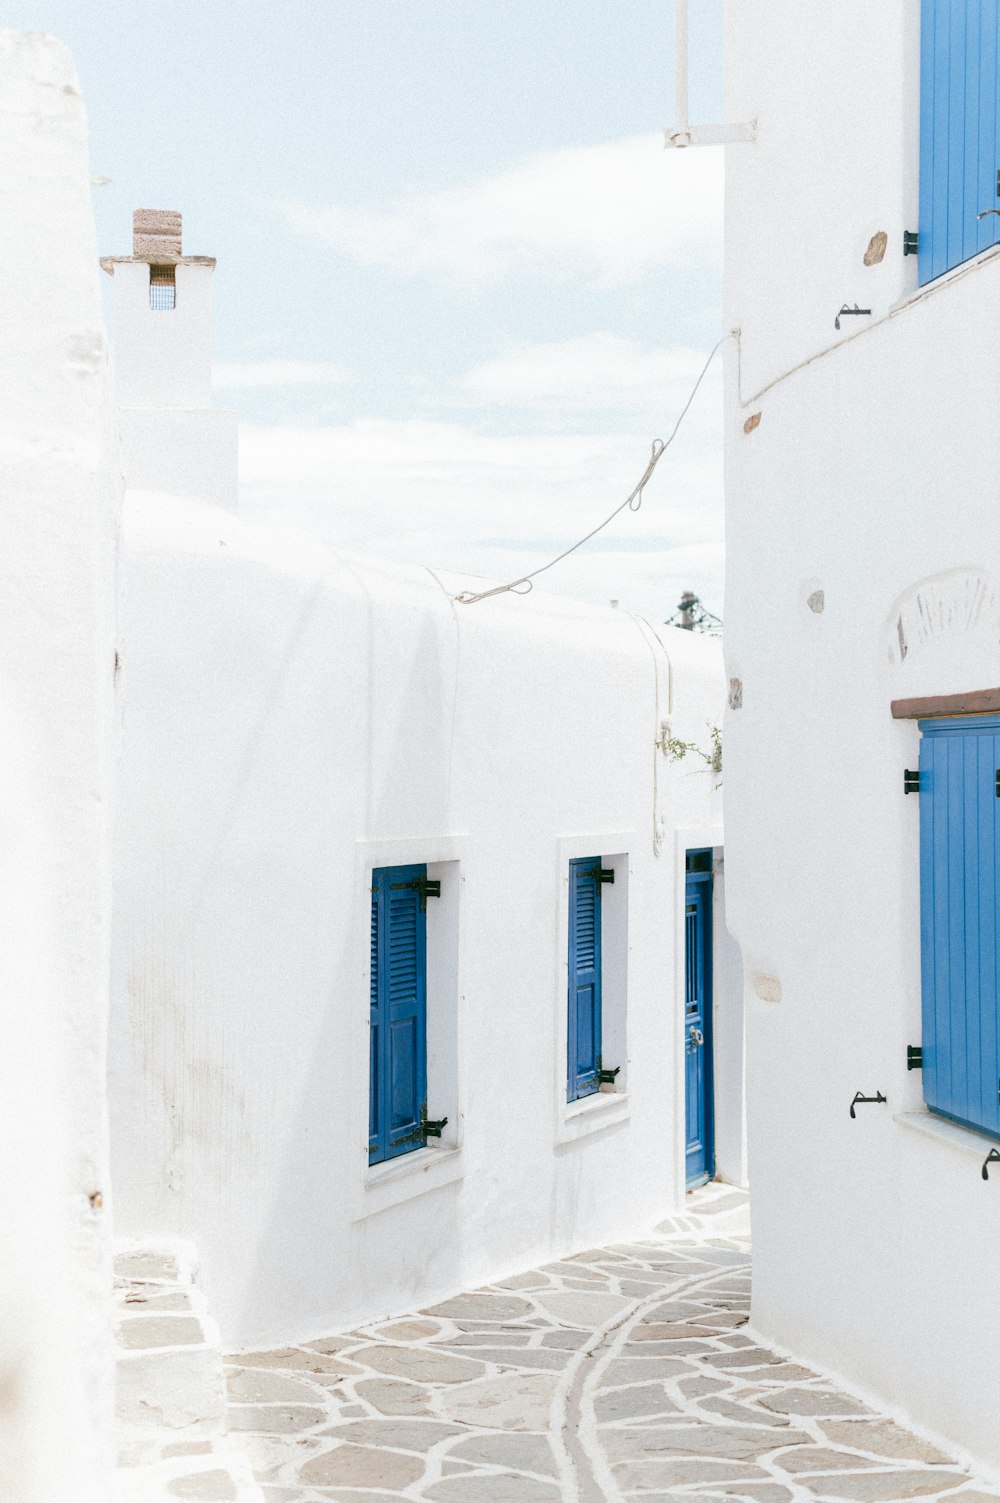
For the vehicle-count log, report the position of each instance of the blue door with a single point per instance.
(959, 132)
(960, 918)
(584, 999)
(698, 1018)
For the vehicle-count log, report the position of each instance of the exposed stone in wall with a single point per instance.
(876, 248)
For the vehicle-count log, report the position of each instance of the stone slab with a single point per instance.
(513, 1401)
(883, 1487)
(362, 1466)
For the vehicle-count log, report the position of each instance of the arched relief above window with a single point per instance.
(960, 603)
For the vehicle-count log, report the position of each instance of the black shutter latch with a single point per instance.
(422, 885)
(425, 1128)
(605, 873)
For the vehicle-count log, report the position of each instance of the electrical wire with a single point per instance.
(633, 501)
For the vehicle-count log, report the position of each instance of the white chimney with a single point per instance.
(172, 440)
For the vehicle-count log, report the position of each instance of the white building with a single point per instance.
(58, 507)
(346, 808)
(863, 640)
(293, 721)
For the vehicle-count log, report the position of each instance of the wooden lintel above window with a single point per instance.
(975, 702)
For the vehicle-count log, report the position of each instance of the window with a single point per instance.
(959, 133)
(960, 918)
(586, 877)
(397, 1084)
(162, 289)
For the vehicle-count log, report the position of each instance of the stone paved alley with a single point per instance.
(622, 1373)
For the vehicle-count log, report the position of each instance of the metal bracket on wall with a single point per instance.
(426, 888)
(846, 312)
(861, 1100)
(911, 243)
(682, 133)
(991, 1158)
(911, 781)
(914, 1057)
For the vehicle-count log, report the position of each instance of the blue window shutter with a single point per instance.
(959, 132)
(959, 913)
(584, 1001)
(398, 1069)
(375, 1044)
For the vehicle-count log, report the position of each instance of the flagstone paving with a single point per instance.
(620, 1374)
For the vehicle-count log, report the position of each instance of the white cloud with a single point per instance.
(447, 495)
(276, 373)
(610, 213)
(591, 372)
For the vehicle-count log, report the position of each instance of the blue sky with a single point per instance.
(460, 285)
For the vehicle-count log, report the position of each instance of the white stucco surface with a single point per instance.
(171, 438)
(873, 478)
(57, 516)
(290, 718)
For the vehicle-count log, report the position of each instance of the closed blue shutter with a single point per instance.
(398, 1057)
(960, 919)
(959, 125)
(584, 977)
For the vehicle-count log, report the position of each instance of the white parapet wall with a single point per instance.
(292, 718)
(863, 544)
(57, 526)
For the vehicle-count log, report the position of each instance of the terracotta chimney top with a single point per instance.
(156, 234)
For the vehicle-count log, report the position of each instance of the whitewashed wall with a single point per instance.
(56, 683)
(873, 477)
(291, 717)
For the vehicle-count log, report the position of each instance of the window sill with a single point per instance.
(950, 1134)
(593, 1114)
(407, 1177)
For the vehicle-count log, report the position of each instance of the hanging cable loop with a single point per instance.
(632, 502)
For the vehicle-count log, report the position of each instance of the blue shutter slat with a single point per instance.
(374, 1042)
(986, 866)
(960, 924)
(398, 1083)
(959, 140)
(584, 1001)
(955, 118)
(956, 926)
(928, 136)
(406, 1005)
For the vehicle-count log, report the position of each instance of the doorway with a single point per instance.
(698, 1072)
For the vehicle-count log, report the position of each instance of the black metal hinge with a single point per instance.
(601, 873)
(910, 243)
(607, 1077)
(911, 781)
(914, 1057)
(997, 783)
(426, 889)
